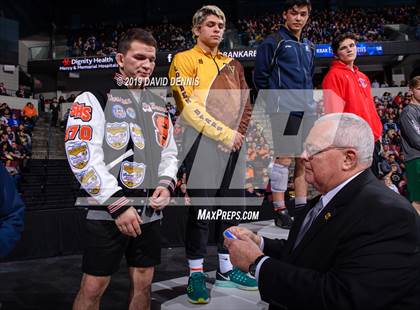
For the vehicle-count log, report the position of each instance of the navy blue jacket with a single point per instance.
(294, 64)
(11, 213)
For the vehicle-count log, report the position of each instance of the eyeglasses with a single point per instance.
(312, 150)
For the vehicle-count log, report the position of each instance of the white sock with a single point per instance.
(279, 205)
(279, 178)
(196, 265)
(300, 200)
(224, 263)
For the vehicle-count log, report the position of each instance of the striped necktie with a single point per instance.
(307, 222)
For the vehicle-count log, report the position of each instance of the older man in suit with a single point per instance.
(357, 246)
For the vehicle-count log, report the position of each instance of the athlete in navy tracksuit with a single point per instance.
(283, 72)
(11, 213)
(293, 68)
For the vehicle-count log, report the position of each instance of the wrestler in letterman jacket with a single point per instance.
(119, 144)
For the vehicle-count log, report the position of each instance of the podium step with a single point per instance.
(220, 298)
(168, 293)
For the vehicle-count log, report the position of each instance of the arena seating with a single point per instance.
(367, 24)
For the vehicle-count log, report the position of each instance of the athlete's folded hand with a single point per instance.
(237, 141)
(129, 223)
(160, 198)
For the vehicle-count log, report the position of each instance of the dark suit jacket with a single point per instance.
(361, 252)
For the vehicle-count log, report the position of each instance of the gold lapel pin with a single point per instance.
(327, 216)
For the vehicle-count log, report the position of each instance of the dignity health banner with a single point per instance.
(107, 62)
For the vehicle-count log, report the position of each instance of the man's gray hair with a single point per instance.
(352, 131)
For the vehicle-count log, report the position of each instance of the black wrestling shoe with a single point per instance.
(283, 220)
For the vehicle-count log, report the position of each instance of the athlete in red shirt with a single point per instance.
(346, 89)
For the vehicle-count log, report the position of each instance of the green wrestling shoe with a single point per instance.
(236, 278)
(196, 290)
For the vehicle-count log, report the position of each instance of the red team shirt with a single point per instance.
(350, 92)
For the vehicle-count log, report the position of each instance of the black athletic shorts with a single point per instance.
(105, 246)
(290, 131)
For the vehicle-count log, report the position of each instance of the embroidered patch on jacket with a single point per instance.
(78, 154)
(137, 135)
(90, 181)
(132, 174)
(118, 111)
(116, 135)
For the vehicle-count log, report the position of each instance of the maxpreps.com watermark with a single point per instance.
(213, 215)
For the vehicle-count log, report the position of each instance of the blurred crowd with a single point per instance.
(259, 157)
(367, 24)
(391, 167)
(102, 39)
(16, 137)
(22, 92)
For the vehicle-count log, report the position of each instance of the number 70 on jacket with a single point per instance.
(83, 132)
